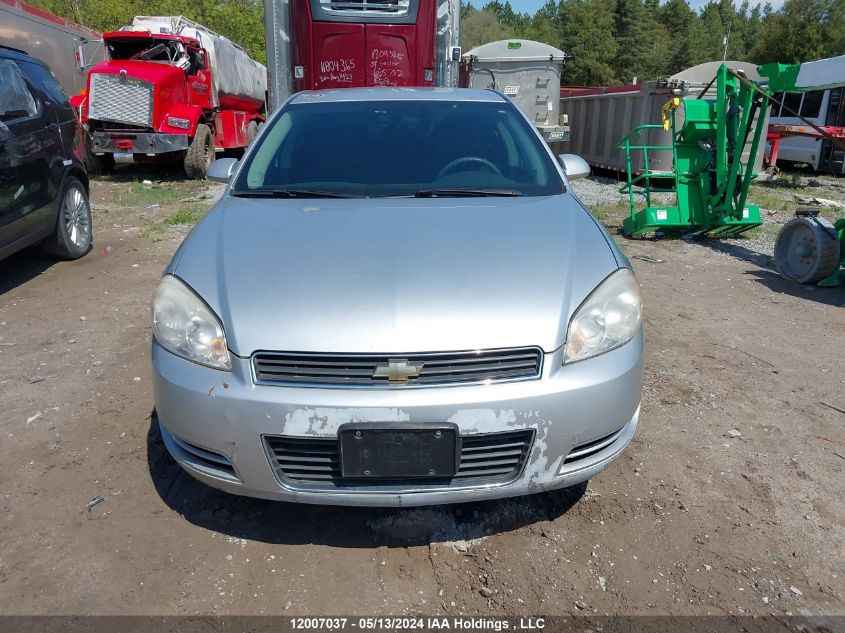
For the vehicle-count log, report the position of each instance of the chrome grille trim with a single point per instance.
(370, 7)
(356, 370)
(313, 462)
(120, 100)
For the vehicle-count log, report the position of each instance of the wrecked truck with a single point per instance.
(171, 89)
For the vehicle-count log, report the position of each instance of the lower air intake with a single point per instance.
(487, 457)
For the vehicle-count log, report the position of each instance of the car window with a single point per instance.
(400, 148)
(48, 83)
(16, 101)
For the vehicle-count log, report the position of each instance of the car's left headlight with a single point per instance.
(184, 325)
(610, 317)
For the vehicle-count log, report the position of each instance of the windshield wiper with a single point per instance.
(468, 193)
(289, 193)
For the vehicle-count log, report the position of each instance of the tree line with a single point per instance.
(612, 41)
(242, 21)
(615, 41)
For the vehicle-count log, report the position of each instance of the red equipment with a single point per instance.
(779, 131)
(171, 89)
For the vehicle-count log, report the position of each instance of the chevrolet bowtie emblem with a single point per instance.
(397, 370)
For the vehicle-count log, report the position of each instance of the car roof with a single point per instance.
(397, 94)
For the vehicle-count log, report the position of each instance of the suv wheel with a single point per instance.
(71, 238)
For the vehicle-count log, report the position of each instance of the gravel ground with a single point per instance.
(728, 501)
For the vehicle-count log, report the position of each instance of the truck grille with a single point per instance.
(120, 99)
(491, 457)
(353, 7)
(357, 370)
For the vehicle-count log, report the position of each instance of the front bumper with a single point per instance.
(114, 141)
(226, 414)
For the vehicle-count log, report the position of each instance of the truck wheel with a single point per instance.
(71, 237)
(200, 153)
(98, 165)
(251, 132)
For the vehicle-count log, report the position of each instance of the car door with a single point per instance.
(8, 174)
(40, 156)
(17, 106)
(60, 137)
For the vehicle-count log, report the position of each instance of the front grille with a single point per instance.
(488, 457)
(120, 99)
(391, 7)
(583, 451)
(355, 370)
(493, 454)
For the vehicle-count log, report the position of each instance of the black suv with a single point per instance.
(43, 183)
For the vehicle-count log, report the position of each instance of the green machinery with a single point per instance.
(712, 173)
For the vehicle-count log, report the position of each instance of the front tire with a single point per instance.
(200, 153)
(71, 237)
(98, 165)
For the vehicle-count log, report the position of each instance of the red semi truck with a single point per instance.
(316, 44)
(171, 89)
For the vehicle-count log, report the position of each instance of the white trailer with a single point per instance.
(67, 48)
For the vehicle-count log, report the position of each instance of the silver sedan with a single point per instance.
(398, 301)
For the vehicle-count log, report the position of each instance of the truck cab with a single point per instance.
(171, 89)
(148, 96)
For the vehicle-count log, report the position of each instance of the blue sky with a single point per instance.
(530, 6)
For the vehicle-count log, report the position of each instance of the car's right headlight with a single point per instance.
(610, 317)
(184, 325)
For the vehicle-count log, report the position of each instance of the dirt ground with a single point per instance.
(729, 500)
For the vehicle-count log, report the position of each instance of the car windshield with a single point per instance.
(399, 148)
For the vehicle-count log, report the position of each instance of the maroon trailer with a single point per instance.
(316, 44)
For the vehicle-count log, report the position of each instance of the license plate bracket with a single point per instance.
(395, 451)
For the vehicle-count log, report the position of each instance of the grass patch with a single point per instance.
(768, 230)
(181, 217)
(610, 215)
(187, 216)
(136, 194)
(766, 200)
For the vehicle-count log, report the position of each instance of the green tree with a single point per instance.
(706, 38)
(641, 40)
(679, 20)
(801, 31)
(612, 41)
(586, 31)
(480, 27)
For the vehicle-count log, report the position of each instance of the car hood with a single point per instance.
(394, 275)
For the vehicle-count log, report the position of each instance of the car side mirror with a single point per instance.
(574, 166)
(222, 169)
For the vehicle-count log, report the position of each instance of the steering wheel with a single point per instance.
(450, 166)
